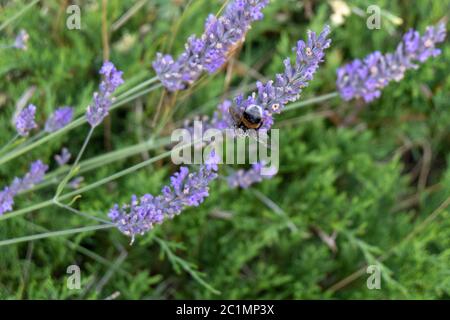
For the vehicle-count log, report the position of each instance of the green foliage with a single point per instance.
(363, 177)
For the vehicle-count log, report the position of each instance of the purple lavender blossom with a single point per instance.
(64, 157)
(210, 51)
(245, 178)
(59, 119)
(274, 95)
(365, 78)
(21, 40)
(32, 177)
(25, 120)
(112, 78)
(186, 189)
(102, 100)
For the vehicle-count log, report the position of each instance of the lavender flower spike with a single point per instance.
(211, 50)
(185, 190)
(25, 120)
(34, 176)
(99, 109)
(246, 178)
(365, 78)
(274, 95)
(59, 119)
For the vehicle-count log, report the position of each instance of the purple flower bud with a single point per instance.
(186, 189)
(366, 78)
(102, 100)
(211, 50)
(33, 176)
(64, 157)
(6, 200)
(25, 120)
(59, 119)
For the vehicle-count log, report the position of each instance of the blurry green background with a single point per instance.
(375, 183)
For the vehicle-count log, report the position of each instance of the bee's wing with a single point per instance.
(235, 114)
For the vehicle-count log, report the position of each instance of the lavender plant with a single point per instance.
(273, 96)
(366, 78)
(95, 113)
(287, 87)
(190, 189)
(186, 189)
(210, 51)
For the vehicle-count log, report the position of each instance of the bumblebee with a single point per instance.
(250, 119)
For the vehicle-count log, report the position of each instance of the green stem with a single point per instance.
(314, 100)
(18, 14)
(73, 169)
(102, 160)
(275, 207)
(174, 259)
(137, 88)
(78, 248)
(124, 99)
(82, 214)
(54, 234)
(74, 124)
(10, 142)
(96, 184)
(34, 138)
(117, 175)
